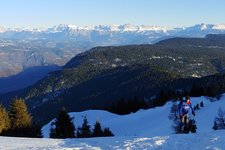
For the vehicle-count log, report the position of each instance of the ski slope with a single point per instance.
(145, 129)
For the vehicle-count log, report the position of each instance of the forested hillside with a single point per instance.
(103, 75)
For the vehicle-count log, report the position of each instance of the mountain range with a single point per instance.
(23, 48)
(60, 43)
(110, 34)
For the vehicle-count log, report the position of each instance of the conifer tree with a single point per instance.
(197, 91)
(202, 104)
(79, 130)
(19, 115)
(85, 129)
(197, 106)
(219, 122)
(4, 119)
(215, 126)
(107, 132)
(97, 131)
(64, 127)
(52, 131)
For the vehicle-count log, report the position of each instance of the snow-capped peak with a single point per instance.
(129, 27)
(112, 34)
(209, 26)
(72, 26)
(203, 26)
(117, 28)
(106, 27)
(200, 27)
(219, 27)
(109, 28)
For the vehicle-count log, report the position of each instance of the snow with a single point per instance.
(207, 141)
(116, 28)
(219, 27)
(145, 122)
(162, 57)
(145, 129)
(115, 34)
(203, 26)
(117, 60)
(110, 28)
(195, 75)
(114, 65)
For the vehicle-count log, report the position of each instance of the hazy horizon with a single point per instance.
(47, 27)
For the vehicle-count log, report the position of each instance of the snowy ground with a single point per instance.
(151, 122)
(146, 129)
(201, 141)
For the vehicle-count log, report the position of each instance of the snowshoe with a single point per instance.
(193, 126)
(179, 131)
(182, 129)
(186, 128)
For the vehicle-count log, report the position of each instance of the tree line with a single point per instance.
(130, 105)
(219, 122)
(63, 127)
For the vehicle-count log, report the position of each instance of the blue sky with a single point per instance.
(169, 13)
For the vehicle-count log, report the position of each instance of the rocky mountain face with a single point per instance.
(38, 57)
(19, 55)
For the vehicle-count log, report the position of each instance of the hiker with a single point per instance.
(185, 110)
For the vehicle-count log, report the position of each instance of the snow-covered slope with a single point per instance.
(146, 129)
(151, 122)
(207, 141)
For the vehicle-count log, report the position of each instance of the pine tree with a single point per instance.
(215, 126)
(52, 131)
(211, 91)
(197, 106)
(174, 111)
(79, 130)
(4, 119)
(220, 119)
(122, 108)
(64, 127)
(174, 116)
(19, 115)
(97, 131)
(107, 132)
(202, 104)
(85, 130)
(197, 91)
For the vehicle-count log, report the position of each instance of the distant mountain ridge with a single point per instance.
(114, 27)
(57, 45)
(111, 33)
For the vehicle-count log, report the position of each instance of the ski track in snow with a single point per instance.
(144, 130)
